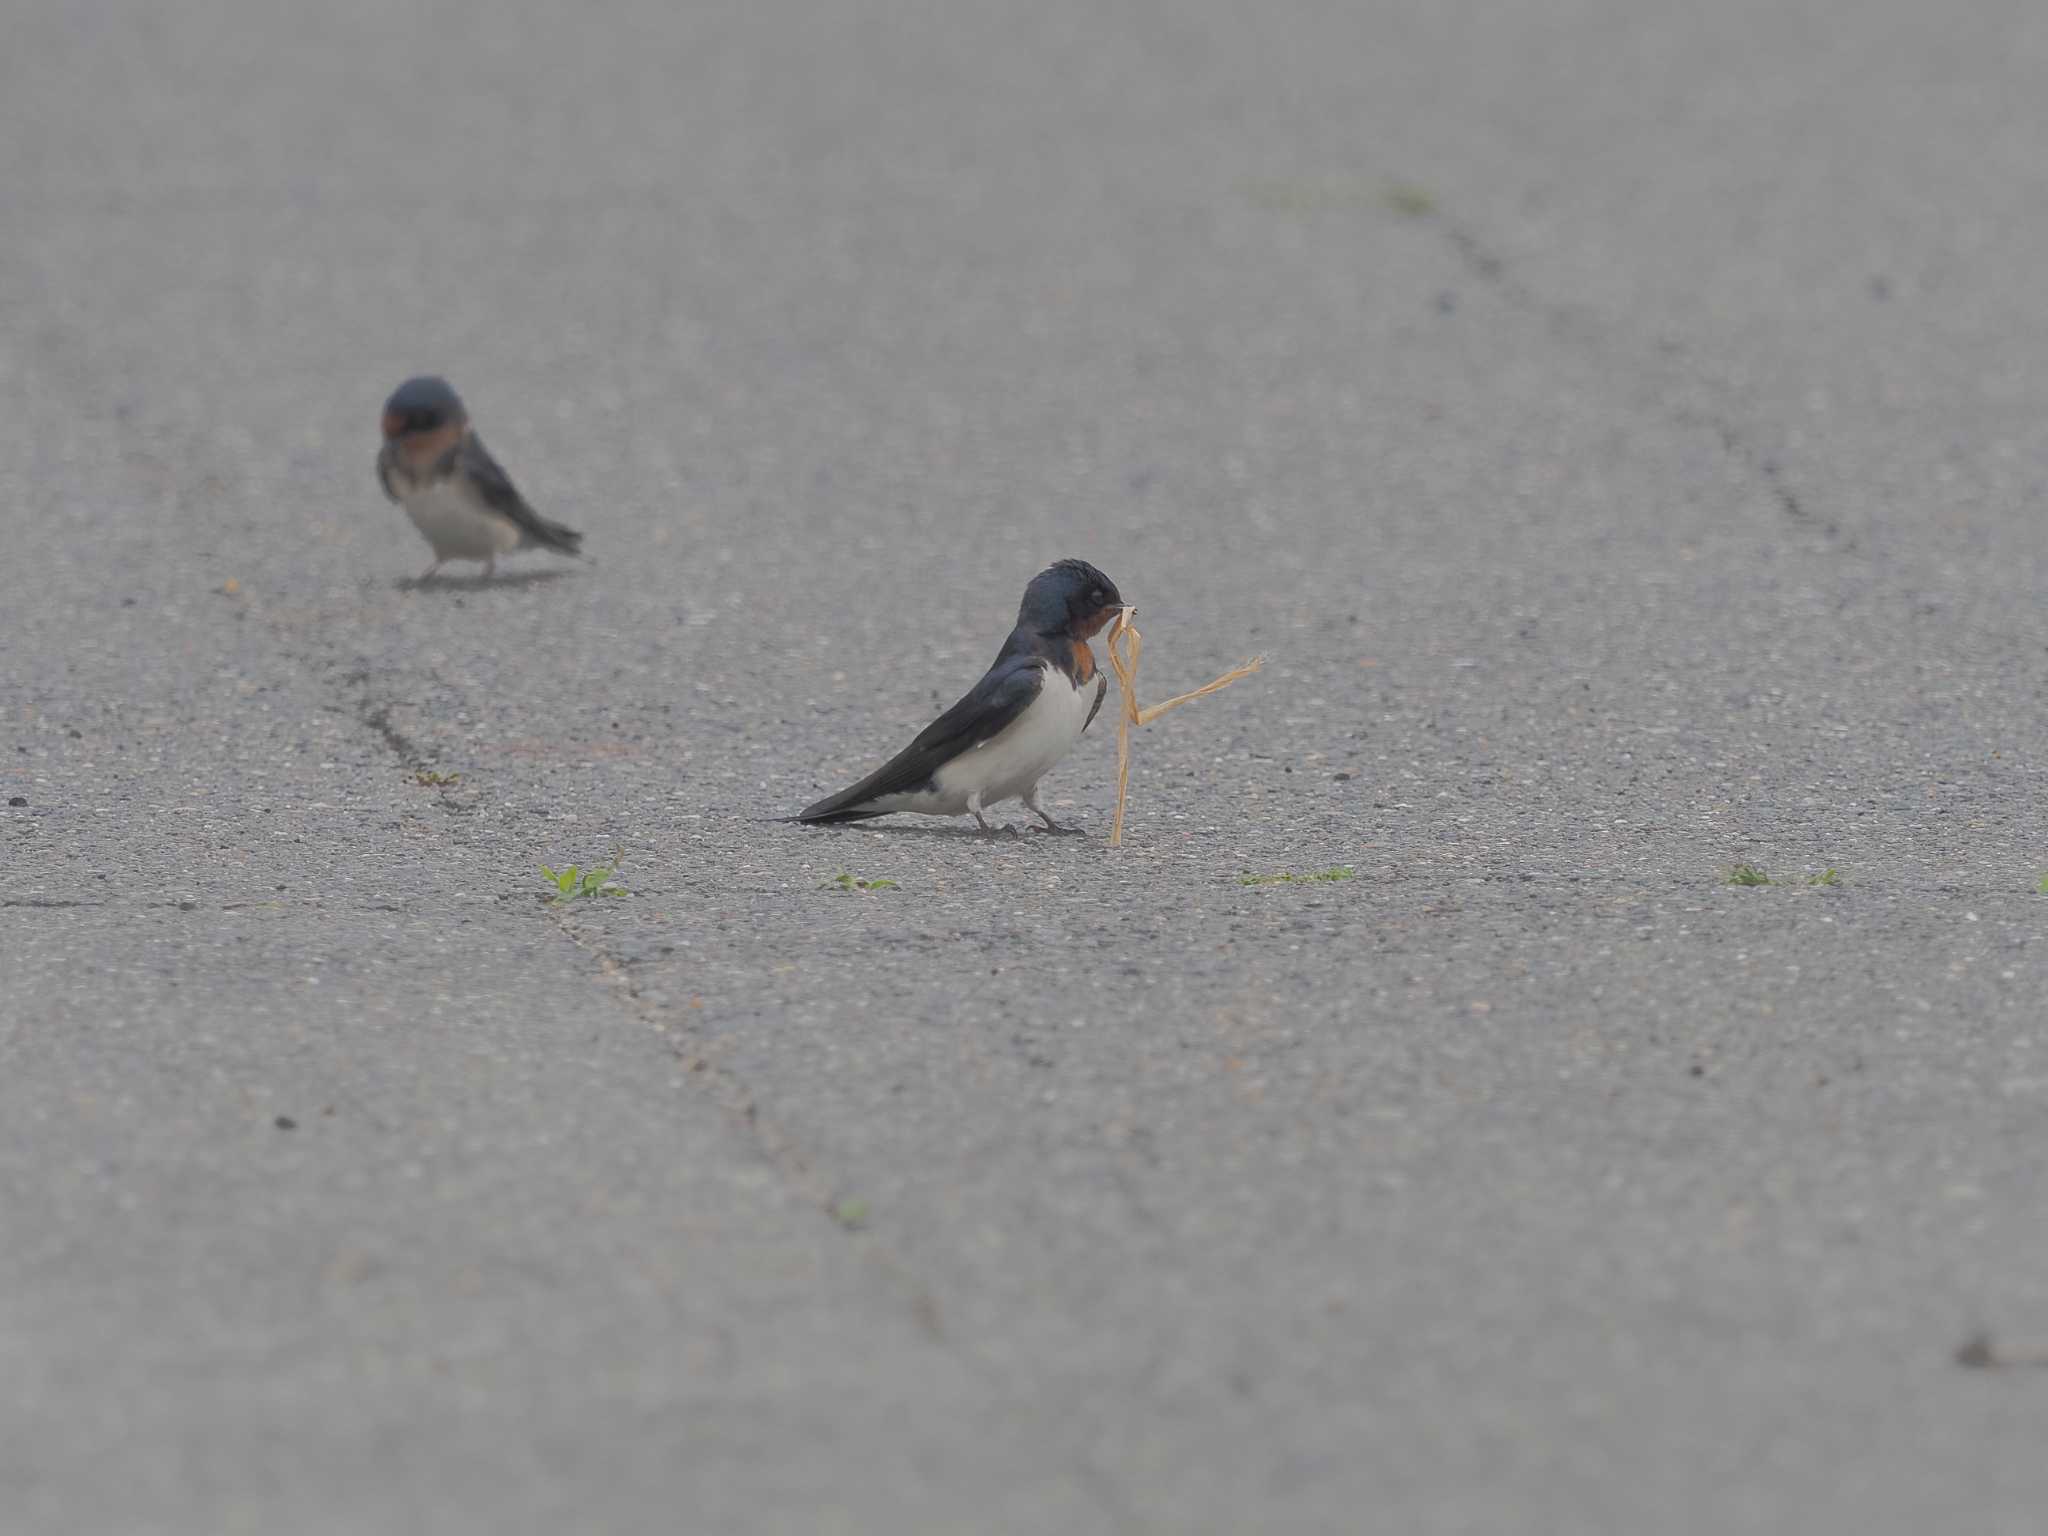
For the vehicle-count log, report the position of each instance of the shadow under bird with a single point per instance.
(1021, 718)
(435, 466)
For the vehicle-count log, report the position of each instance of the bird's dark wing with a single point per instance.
(1101, 688)
(474, 460)
(384, 456)
(993, 703)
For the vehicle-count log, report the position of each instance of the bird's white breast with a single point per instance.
(459, 527)
(1019, 755)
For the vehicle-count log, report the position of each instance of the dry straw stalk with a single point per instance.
(1123, 635)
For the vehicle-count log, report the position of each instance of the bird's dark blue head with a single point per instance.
(421, 405)
(1069, 598)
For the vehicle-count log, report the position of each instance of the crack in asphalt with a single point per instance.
(376, 714)
(782, 1151)
(1591, 332)
(777, 1147)
(403, 747)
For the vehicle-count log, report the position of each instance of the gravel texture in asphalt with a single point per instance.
(1619, 422)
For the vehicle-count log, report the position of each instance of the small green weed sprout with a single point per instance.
(851, 1214)
(845, 882)
(576, 882)
(1409, 200)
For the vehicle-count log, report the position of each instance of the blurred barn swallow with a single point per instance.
(1020, 719)
(436, 467)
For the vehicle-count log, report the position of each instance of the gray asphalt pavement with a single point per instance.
(1620, 424)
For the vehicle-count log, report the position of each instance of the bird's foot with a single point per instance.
(1052, 828)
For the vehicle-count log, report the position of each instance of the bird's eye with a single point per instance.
(1098, 596)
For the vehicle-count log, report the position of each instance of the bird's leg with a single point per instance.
(428, 574)
(490, 566)
(974, 810)
(1031, 804)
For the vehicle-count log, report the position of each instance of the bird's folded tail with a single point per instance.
(556, 536)
(839, 807)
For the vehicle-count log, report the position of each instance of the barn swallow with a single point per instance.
(1020, 719)
(436, 467)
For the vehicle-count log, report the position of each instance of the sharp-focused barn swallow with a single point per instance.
(435, 466)
(1020, 719)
